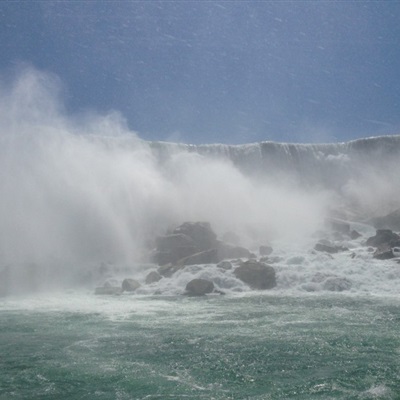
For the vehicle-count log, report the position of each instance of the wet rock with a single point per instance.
(265, 250)
(384, 253)
(173, 247)
(256, 274)
(200, 232)
(199, 287)
(152, 277)
(130, 285)
(110, 290)
(384, 237)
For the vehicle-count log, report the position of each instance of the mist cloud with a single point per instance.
(84, 189)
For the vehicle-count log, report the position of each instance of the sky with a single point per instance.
(217, 71)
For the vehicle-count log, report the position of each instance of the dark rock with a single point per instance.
(384, 253)
(173, 247)
(266, 250)
(256, 274)
(384, 237)
(354, 235)
(200, 232)
(130, 285)
(337, 284)
(152, 277)
(199, 287)
(110, 290)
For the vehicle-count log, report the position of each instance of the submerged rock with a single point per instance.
(256, 274)
(199, 287)
(130, 285)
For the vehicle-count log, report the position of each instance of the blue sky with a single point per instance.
(218, 71)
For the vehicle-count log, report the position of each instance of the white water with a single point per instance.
(78, 191)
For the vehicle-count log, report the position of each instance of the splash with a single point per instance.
(80, 190)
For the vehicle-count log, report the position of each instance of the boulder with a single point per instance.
(256, 274)
(384, 253)
(199, 287)
(173, 247)
(130, 285)
(384, 237)
(200, 232)
(109, 290)
(265, 250)
(152, 277)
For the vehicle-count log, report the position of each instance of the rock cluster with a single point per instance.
(195, 243)
(384, 241)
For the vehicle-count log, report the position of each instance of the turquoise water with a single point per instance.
(224, 347)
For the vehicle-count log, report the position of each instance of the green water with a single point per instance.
(251, 347)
